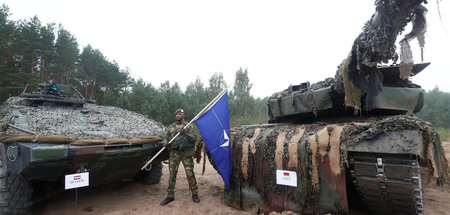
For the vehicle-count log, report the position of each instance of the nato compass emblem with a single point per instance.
(224, 140)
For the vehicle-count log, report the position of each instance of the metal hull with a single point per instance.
(105, 163)
(378, 157)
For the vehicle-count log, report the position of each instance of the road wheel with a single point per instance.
(152, 174)
(15, 193)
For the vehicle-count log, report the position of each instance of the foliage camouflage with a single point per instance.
(342, 138)
(318, 152)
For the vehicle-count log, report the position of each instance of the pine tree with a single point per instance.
(67, 53)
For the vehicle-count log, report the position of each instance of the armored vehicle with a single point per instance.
(377, 159)
(45, 136)
(53, 94)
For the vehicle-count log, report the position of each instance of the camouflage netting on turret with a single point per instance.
(369, 80)
(317, 152)
(92, 124)
(358, 75)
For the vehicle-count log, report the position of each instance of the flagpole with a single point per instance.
(212, 103)
(206, 108)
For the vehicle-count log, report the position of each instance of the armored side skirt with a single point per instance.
(50, 162)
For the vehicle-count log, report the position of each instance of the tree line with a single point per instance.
(32, 53)
(436, 108)
(160, 103)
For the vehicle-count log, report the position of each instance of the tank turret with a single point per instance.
(53, 95)
(323, 99)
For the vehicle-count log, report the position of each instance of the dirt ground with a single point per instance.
(132, 198)
(437, 199)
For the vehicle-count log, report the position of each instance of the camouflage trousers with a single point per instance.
(188, 163)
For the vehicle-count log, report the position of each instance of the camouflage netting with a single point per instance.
(358, 74)
(258, 151)
(317, 152)
(11, 138)
(91, 124)
(434, 156)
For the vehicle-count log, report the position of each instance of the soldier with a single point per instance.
(181, 149)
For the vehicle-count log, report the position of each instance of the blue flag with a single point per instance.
(214, 126)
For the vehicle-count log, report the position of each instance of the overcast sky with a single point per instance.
(279, 42)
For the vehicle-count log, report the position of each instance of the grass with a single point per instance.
(445, 134)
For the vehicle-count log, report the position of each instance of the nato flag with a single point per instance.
(214, 126)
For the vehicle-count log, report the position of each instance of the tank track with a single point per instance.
(388, 183)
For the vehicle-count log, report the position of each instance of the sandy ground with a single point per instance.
(437, 199)
(132, 198)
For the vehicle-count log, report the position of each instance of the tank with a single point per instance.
(338, 158)
(46, 135)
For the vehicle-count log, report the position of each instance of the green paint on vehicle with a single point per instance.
(42, 154)
(328, 198)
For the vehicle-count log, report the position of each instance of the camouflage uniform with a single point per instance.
(181, 149)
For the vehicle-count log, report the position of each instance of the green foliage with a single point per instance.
(242, 101)
(444, 133)
(67, 53)
(31, 53)
(436, 108)
(216, 85)
(196, 98)
(160, 103)
(244, 109)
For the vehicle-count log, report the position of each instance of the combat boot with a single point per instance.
(168, 200)
(195, 198)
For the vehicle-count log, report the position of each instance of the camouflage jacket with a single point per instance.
(184, 142)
